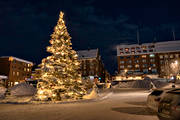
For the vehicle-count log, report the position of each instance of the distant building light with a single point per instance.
(151, 55)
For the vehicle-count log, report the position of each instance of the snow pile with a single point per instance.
(23, 89)
(92, 95)
(135, 84)
(2, 92)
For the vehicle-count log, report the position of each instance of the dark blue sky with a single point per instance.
(26, 25)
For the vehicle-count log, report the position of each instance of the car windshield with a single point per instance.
(157, 92)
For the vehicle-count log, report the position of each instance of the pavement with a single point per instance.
(121, 104)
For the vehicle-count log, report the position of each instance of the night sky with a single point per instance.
(26, 25)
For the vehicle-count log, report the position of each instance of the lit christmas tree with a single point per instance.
(60, 79)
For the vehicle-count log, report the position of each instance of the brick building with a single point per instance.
(147, 58)
(15, 69)
(91, 64)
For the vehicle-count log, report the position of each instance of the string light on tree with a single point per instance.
(60, 79)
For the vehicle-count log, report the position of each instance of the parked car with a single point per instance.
(169, 106)
(155, 96)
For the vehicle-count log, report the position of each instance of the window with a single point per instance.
(136, 61)
(129, 61)
(145, 70)
(136, 66)
(166, 56)
(122, 66)
(17, 73)
(24, 69)
(151, 55)
(154, 70)
(121, 57)
(136, 56)
(122, 62)
(157, 92)
(14, 73)
(121, 49)
(126, 49)
(144, 51)
(144, 60)
(152, 60)
(143, 56)
(153, 65)
(161, 62)
(129, 66)
(177, 55)
(144, 65)
(171, 56)
(150, 50)
(128, 57)
(161, 56)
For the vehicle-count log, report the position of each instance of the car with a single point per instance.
(169, 106)
(155, 96)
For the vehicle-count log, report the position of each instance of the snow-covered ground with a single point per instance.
(121, 105)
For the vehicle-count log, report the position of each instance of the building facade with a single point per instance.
(91, 64)
(15, 69)
(147, 58)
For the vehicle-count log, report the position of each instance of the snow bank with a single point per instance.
(135, 84)
(2, 92)
(93, 94)
(23, 89)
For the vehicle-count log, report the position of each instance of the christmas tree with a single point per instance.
(59, 73)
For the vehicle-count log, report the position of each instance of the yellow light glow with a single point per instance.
(11, 58)
(41, 92)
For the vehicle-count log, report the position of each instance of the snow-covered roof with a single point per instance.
(3, 77)
(148, 48)
(92, 53)
(17, 59)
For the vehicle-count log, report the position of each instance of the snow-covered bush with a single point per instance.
(23, 89)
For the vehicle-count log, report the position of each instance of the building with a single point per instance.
(91, 64)
(147, 58)
(15, 69)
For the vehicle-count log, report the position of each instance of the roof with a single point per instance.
(85, 54)
(17, 59)
(148, 48)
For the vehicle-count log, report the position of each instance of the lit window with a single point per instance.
(143, 56)
(129, 66)
(136, 61)
(171, 56)
(24, 69)
(152, 60)
(161, 56)
(151, 55)
(122, 66)
(129, 61)
(17, 73)
(136, 66)
(177, 55)
(145, 70)
(136, 56)
(122, 62)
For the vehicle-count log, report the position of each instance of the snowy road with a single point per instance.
(126, 105)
